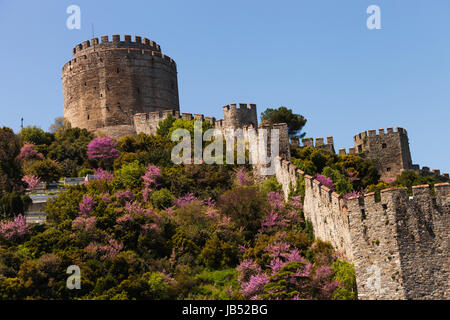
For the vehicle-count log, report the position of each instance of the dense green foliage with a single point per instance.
(149, 229)
(294, 121)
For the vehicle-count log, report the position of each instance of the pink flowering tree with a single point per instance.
(15, 229)
(327, 182)
(29, 152)
(86, 205)
(104, 252)
(31, 180)
(150, 181)
(242, 177)
(84, 228)
(103, 175)
(288, 276)
(280, 215)
(124, 195)
(103, 150)
(185, 200)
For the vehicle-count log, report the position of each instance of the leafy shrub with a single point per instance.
(218, 254)
(162, 199)
(245, 206)
(84, 172)
(341, 183)
(129, 176)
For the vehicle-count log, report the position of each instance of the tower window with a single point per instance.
(88, 117)
(117, 70)
(388, 169)
(359, 148)
(384, 145)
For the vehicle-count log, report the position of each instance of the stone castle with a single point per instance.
(398, 244)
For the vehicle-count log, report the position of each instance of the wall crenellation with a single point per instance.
(319, 143)
(138, 43)
(398, 244)
(436, 172)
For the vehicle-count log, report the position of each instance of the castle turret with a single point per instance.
(106, 83)
(235, 118)
(389, 150)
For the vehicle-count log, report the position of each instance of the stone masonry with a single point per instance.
(389, 150)
(106, 83)
(399, 245)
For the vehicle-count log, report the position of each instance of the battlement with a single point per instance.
(436, 172)
(343, 151)
(381, 132)
(93, 49)
(404, 239)
(245, 106)
(319, 143)
(116, 42)
(238, 115)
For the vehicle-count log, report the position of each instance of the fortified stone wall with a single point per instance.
(403, 239)
(244, 117)
(107, 82)
(324, 208)
(399, 245)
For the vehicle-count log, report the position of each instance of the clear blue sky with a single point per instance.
(316, 56)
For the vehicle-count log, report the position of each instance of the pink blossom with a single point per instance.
(352, 194)
(29, 152)
(106, 198)
(84, 224)
(103, 175)
(102, 149)
(278, 248)
(276, 264)
(107, 251)
(125, 219)
(242, 177)
(124, 195)
(186, 199)
(255, 285)
(134, 207)
(16, 228)
(296, 201)
(150, 177)
(327, 182)
(273, 219)
(31, 180)
(86, 205)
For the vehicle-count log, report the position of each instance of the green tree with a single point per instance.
(162, 199)
(294, 121)
(245, 205)
(129, 176)
(12, 204)
(36, 136)
(10, 166)
(48, 170)
(165, 125)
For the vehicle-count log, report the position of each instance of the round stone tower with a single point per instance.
(107, 82)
